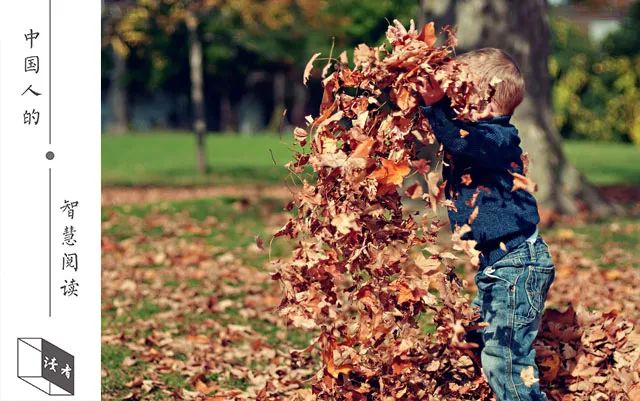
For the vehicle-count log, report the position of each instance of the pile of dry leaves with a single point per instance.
(589, 356)
(365, 273)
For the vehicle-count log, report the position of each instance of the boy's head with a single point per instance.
(490, 62)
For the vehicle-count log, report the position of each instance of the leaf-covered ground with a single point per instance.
(187, 302)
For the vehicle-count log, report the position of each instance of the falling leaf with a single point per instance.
(466, 179)
(391, 173)
(421, 165)
(345, 222)
(473, 215)
(300, 135)
(522, 182)
(525, 162)
(414, 191)
(343, 57)
(259, 242)
(428, 34)
(308, 68)
(363, 149)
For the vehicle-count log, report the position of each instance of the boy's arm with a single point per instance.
(482, 143)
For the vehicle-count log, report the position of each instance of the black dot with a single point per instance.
(50, 155)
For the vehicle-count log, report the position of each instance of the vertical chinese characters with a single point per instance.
(69, 240)
(31, 115)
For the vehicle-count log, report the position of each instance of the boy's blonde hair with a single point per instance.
(489, 62)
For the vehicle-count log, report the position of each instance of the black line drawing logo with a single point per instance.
(45, 366)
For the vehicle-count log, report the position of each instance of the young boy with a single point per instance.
(515, 269)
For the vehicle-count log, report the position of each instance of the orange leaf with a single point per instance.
(198, 338)
(363, 149)
(466, 179)
(405, 99)
(391, 173)
(399, 365)
(428, 34)
(202, 387)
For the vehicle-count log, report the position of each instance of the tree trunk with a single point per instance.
(299, 106)
(117, 96)
(197, 92)
(422, 13)
(522, 29)
(279, 87)
(227, 118)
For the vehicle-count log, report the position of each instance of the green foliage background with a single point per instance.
(596, 92)
(596, 86)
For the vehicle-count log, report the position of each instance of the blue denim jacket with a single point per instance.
(489, 154)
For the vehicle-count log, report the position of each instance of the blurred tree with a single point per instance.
(284, 34)
(243, 42)
(367, 21)
(131, 26)
(171, 13)
(522, 29)
(120, 31)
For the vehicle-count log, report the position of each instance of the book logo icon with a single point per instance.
(45, 366)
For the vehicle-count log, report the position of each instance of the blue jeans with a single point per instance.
(511, 295)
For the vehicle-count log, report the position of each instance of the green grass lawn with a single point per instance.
(606, 163)
(165, 158)
(170, 159)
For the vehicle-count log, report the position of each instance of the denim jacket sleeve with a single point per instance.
(487, 143)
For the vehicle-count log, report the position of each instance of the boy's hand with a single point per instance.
(430, 91)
